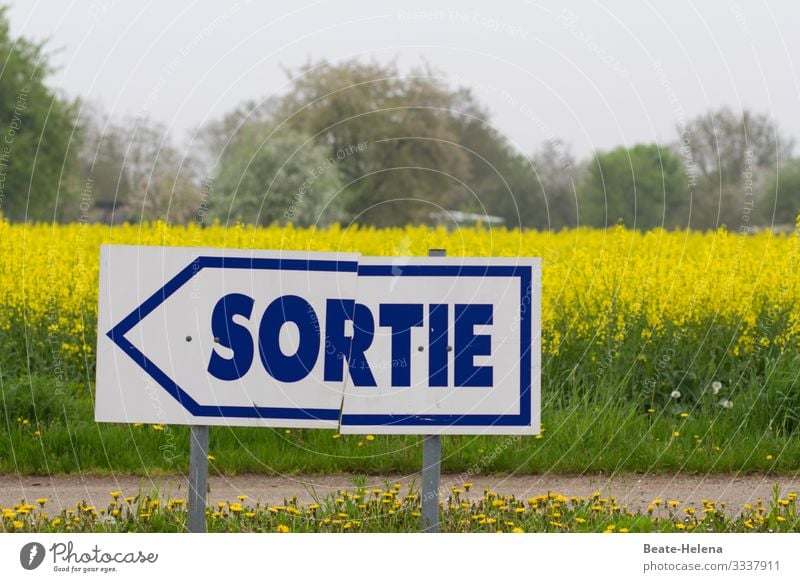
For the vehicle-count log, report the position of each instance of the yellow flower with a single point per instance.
(41, 501)
(769, 457)
(212, 458)
(235, 507)
(370, 437)
(56, 522)
(517, 530)
(282, 529)
(17, 524)
(676, 434)
(241, 497)
(684, 414)
(467, 486)
(157, 427)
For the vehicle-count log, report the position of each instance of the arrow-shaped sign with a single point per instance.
(231, 337)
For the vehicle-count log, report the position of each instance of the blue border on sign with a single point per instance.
(525, 274)
(117, 335)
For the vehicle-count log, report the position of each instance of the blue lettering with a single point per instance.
(437, 341)
(469, 345)
(233, 336)
(401, 317)
(337, 312)
(295, 367)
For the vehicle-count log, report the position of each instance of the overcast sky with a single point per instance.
(596, 74)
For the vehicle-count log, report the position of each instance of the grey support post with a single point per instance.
(431, 465)
(198, 474)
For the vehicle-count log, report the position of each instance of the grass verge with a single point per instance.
(388, 509)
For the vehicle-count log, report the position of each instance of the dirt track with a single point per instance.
(634, 490)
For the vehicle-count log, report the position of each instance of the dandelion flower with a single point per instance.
(727, 404)
(716, 386)
(370, 437)
(770, 457)
(212, 458)
(675, 394)
(684, 415)
(282, 529)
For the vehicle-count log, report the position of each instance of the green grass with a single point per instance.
(581, 434)
(606, 407)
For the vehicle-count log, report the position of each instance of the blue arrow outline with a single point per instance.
(117, 335)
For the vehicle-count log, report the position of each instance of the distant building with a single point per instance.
(451, 218)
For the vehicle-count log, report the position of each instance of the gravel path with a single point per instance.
(636, 491)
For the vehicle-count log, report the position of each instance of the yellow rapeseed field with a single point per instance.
(599, 287)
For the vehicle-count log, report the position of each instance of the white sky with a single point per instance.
(595, 74)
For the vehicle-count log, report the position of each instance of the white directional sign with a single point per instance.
(213, 336)
(445, 345)
(290, 339)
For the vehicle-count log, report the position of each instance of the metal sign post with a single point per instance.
(431, 465)
(198, 474)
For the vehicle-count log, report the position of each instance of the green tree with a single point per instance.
(641, 187)
(136, 172)
(267, 177)
(392, 134)
(728, 157)
(500, 178)
(37, 156)
(779, 204)
(557, 176)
